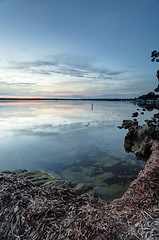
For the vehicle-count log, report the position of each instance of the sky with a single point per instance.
(78, 48)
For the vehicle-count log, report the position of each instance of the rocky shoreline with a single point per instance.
(43, 179)
(36, 210)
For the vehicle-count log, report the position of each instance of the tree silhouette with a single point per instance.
(155, 58)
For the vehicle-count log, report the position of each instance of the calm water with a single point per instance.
(74, 140)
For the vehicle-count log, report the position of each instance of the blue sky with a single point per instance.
(78, 48)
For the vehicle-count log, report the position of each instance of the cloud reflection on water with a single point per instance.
(61, 136)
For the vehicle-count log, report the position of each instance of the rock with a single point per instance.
(156, 115)
(156, 89)
(149, 122)
(137, 140)
(83, 187)
(17, 172)
(154, 120)
(142, 113)
(135, 114)
(42, 179)
(128, 124)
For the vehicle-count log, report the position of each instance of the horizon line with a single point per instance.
(64, 99)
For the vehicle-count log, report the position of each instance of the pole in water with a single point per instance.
(92, 106)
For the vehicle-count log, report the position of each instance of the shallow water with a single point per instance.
(75, 140)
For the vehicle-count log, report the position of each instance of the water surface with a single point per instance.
(75, 140)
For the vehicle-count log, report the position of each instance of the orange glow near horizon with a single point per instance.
(21, 102)
(55, 95)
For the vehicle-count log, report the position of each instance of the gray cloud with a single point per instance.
(47, 130)
(66, 65)
(5, 83)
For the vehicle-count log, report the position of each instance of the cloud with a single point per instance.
(73, 66)
(63, 76)
(9, 83)
(48, 130)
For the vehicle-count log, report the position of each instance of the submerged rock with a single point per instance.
(42, 179)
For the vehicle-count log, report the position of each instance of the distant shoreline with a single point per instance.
(67, 99)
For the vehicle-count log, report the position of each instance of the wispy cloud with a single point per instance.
(8, 83)
(63, 76)
(66, 65)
